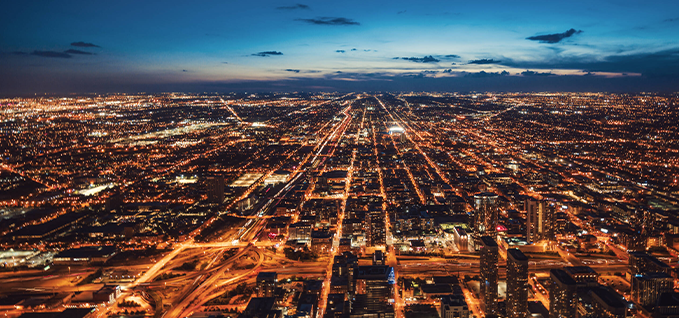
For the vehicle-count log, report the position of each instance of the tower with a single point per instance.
(489, 274)
(517, 284)
(485, 217)
(215, 189)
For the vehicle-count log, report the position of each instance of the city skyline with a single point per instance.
(78, 46)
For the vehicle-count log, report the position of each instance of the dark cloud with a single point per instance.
(354, 49)
(296, 6)
(267, 53)
(486, 74)
(671, 20)
(452, 56)
(662, 63)
(448, 71)
(19, 53)
(84, 44)
(366, 50)
(401, 12)
(340, 51)
(291, 70)
(184, 71)
(426, 59)
(554, 38)
(453, 63)
(72, 51)
(51, 54)
(484, 61)
(225, 62)
(533, 73)
(329, 21)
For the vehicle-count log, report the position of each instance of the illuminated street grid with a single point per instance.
(172, 205)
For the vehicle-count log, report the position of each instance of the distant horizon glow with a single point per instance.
(80, 46)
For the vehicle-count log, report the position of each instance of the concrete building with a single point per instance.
(489, 274)
(540, 220)
(453, 306)
(215, 189)
(647, 287)
(563, 299)
(517, 284)
(266, 284)
(486, 213)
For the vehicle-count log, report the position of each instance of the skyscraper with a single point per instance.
(563, 296)
(540, 220)
(647, 287)
(517, 283)
(215, 189)
(489, 274)
(485, 217)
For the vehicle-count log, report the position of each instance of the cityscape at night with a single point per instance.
(353, 159)
(340, 205)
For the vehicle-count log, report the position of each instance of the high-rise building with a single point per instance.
(377, 232)
(454, 306)
(266, 284)
(215, 189)
(486, 214)
(584, 276)
(563, 297)
(642, 262)
(647, 287)
(517, 283)
(540, 220)
(374, 284)
(489, 274)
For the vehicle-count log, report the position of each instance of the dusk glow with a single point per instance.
(86, 46)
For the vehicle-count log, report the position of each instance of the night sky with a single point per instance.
(228, 45)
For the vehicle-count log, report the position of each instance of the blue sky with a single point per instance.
(84, 46)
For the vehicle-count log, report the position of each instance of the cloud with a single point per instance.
(671, 20)
(554, 38)
(340, 51)
(72, 51)
(448, 71)
(533, 73)
(84, 44)
(291, 70)
(484, 61)
(354, 49)
(225, 62)
(401, 12)
(184, 71)
(660, 63)
(19, 53)
(426, 59)
(452, 56)
(296, 6)
(486, 74)
(267, 53)
(51, 54)
(329, 21)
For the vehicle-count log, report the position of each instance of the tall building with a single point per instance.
(540, 220)
(377, 232)
(563, 297)
(642, 262)
(489, 274)
(647, 287)
(486, 214)
(215, 189)
(517, 284)
(454, 306)
(373, 289)
(584, 276)
(266, 284)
